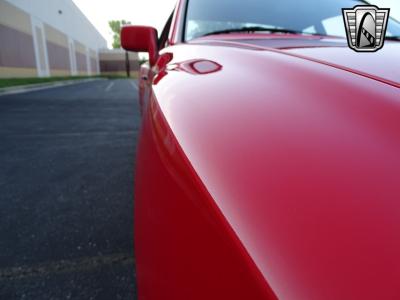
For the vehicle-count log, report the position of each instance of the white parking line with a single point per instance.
(108, 88)
(134, 85)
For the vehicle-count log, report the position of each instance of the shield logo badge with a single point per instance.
(366, 27)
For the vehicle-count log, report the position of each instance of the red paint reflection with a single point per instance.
(198, 67)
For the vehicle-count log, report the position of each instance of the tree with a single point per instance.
(116, 26)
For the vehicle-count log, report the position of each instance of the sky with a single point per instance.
(140, 12)
(155, 12)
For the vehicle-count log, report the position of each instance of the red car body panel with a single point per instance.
(377, 66)
(269, 172)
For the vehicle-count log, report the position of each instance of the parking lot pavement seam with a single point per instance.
(67, 266)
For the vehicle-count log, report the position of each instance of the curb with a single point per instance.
(42, 86)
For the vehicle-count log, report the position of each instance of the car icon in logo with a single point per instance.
(366, 27)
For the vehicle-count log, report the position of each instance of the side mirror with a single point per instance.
(140, 39)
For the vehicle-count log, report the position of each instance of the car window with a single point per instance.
(334, 26)
(308, 16)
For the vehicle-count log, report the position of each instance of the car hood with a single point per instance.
(383, 65)
(301, 156)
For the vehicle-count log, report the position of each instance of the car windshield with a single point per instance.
(322, 17)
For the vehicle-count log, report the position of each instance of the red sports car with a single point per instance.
(269, 158)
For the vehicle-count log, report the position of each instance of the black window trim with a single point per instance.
(183, 37)
(165, 32)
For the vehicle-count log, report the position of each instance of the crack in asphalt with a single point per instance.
(67, 266)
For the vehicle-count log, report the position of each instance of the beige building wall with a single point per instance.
(58, 52)
(81, 60)
(36, 42)
(30, 47)
(17, 52)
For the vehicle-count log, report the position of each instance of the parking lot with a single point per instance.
(66, 192)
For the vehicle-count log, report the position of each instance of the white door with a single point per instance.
(72, 57)
(39, 41)
(88, 62)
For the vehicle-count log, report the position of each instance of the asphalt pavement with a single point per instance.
(66, 192)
